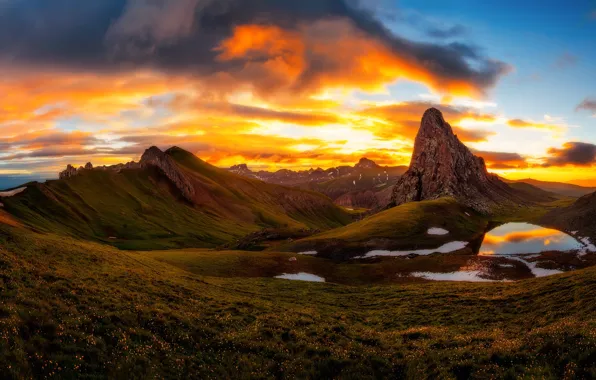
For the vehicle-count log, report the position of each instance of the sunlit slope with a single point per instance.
(73, 309)
(404, 226)
(142, 209)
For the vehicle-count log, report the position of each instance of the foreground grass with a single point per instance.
(76, 309)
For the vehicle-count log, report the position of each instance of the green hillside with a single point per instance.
(400, 227)
(72, 309)
(143, 209)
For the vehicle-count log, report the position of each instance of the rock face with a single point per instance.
(155, 157)
(68, 173)
(442, 166)
(243, 170)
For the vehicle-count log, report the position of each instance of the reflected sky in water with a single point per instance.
(520, 238)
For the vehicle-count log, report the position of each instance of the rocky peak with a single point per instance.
(443, 166)
(68, 173)
(240, 169)
(156, 158)
(365, 163)
(243, 167)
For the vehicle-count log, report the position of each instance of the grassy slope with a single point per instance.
(142, 210)
(579, 216)
(404, 226)
(74, 309)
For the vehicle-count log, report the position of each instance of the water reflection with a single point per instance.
(525, 238)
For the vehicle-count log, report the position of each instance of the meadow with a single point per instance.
(78, 309)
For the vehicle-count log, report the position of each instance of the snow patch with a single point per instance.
(302, 276)
(588, 246)
(309, 253)
(537, 272)
(437, 231)
(446, 248)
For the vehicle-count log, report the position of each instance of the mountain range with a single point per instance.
(364, 185)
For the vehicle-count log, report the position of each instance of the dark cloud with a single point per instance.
(587, 105)
(175, 35)
(450, 32)
(572, 153)
(502, 160)
(430, 27)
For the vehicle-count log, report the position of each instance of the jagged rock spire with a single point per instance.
(442, 166)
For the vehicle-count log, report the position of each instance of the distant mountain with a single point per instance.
(566, 189)
(360, 186)
(168, 199)
(442, 166)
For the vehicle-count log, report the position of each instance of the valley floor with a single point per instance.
(76, 309)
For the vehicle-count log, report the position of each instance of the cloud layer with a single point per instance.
(242, 38)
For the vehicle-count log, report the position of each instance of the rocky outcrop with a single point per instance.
(242, 170)
(442, 166)
(365, 163)
(68, 173)
(156, 158)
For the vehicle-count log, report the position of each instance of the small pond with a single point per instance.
(525, 238)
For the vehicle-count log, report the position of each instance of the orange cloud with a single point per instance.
(519, 123)
(288, 59)
(403, 119)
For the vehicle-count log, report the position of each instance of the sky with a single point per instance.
(286, 84)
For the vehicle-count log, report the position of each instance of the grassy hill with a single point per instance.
(404, 226)
(74, 309)
(579, 217)
(143, 209)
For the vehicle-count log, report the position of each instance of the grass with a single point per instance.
(78, 309)
(140, 209)
(406, 226)
(400, 227)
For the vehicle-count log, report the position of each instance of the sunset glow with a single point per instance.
(314, 90)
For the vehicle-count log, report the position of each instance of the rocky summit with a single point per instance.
(156, 158)
(442, 166)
